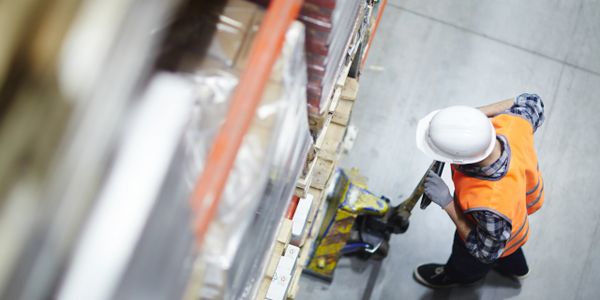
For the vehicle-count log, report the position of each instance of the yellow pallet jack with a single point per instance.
(360, 223)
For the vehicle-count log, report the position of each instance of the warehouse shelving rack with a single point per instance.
(244, 101)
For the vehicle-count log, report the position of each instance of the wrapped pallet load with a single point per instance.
(329, 28)
(261, 183)
(201, 58)
(69, 73)
(109, 110)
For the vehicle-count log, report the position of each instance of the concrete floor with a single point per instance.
(430, 54)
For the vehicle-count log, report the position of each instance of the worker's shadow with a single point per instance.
(502, 287)
(357, 265)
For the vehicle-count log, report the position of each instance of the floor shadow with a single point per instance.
(504, 287)
(355, 264)
(495, 286)
(464, 293)
(496, 280)
(467, 294)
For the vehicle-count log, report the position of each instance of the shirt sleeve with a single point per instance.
(530, 107)
(487, 240)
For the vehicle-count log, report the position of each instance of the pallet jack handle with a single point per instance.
(398, 216)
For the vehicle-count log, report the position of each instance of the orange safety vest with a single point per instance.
(516, 195)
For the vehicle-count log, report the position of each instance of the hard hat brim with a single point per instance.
(422, 141)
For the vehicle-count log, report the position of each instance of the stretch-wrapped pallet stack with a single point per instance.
(70, 73)
(272, 154)
(108, 111)
(329, 26)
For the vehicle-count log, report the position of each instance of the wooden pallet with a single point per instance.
(346, 102)
(284, 235)
(304, 182)
(328, 151)
(331, 129)
(339, 110)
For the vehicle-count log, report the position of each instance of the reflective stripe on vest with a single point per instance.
(516, 195)
(535, 187)
(535, 199)
(517, 237)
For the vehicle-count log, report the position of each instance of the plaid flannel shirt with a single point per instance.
(488, 239)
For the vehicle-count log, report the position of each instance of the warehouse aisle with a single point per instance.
(431, 54)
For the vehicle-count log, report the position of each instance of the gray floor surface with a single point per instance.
(430, 54)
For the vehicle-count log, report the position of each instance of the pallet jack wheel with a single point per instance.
(382, 251)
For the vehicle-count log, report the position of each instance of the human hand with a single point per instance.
(437, 190)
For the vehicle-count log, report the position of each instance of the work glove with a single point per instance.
(437, 190)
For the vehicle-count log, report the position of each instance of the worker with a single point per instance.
(497, 184)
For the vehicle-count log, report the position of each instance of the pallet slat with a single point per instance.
(305, 181)
(294, 285)
(343, 112)
(331, 143)
(323, 171)
(350, 90)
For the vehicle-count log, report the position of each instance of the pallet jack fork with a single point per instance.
(360, 223)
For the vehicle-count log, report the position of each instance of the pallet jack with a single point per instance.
(360, 223)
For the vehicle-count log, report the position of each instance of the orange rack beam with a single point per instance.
(245, 98)
(379, 15)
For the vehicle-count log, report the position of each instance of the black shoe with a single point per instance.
(434, 276)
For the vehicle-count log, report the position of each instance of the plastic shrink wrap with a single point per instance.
(126, 159)
(261, 183)
(329, 27)
(68, 74)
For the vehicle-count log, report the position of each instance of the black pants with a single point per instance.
(465, 268)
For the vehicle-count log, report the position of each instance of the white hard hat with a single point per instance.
(457, 134)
